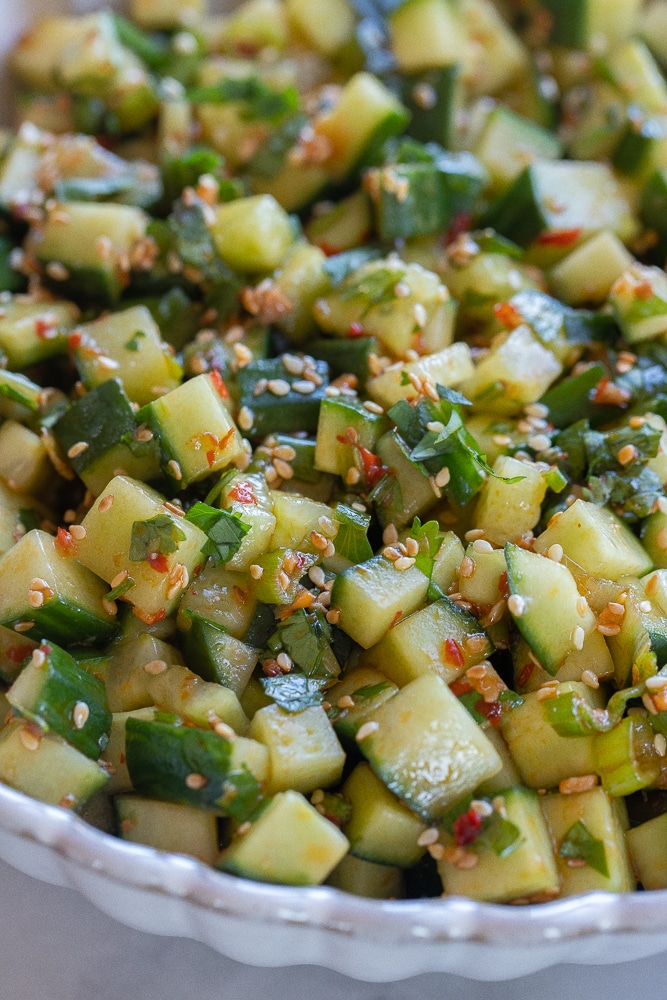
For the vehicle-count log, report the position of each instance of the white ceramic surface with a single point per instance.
(275, 926)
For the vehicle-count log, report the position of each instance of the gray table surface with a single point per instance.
(58, 946)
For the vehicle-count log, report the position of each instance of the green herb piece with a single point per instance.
(369, 691)
(338, 267)
(270, 157)
(159, 534)
(122, 588)
(579, 843)
(133, 343)
(306, 638)
(430, 538)
(351, 540)
(500, 834)
(225, 531)
(376, 287)
(262, 102)
(193, 244)
(294, 691)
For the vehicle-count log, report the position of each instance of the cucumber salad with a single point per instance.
(333, 441)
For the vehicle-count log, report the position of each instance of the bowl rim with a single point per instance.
(401, 922)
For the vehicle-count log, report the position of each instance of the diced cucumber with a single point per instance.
(440, 638)
(448, 367)
(130, 531)
(195, 430)
(114, 756)
(344, 426)
(248, 496)
(481, 587)
(507, 510)
(215, 655)
(127, 680)
(516, 371)
(587, 274)
(426, 748)
(302, 279)
(32, 330)
(327, 25)
(508, 143)
(409, 491)
(365, 878)
(316, 845)
(642, 634)
(581, 23)
(252, 234)
(52, 594)
(597, 540)
(166, 15)
(647, 850)
(47, 768)
(168, 826)
(382, 829)
(494, 56)
(14, 650)
(344, 226)
(263, 410)
(304, 751)
(373, 595)
(425, 34)
(219, 596)
(546, 605)
(24, 460)
(639, 301)
(529, 869)
(605, 821)
(368, 688)
(199, 702)
(626, 757)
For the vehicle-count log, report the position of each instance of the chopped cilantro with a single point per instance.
(295, 691)
(261, 102)
(376, 287)
(306, 638)
(225, 531)
(159, 534)
(134, 342)
(579, 843)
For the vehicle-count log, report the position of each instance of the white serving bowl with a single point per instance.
(280, 926)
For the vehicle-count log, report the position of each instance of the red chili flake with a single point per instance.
(374, 470)
(503, 585)
(42, 328)
(17, 654)
(122, 757)
(157, 561)
(459, 687)
(467, 828)
(397, 617)
(460, 224)
(507, 315)
(452, 653)
(147, 618)
(219, 384)
(559, 237)
(243, 493)
(64, 543)
(355, 330)
(491, 710)
(240, 595)
(74, 340)
(46, 649)
(643, 290)
(210, 457)
(525, 674)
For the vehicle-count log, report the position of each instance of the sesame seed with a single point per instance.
(424, 96)
(256, 572)
(196, 781)
(242, 355)
(105, 504)
(110, 607)
(516, 605)
(80, 714)
(78, 532)
(332, 391)
(367, 729)
(316, 575)
(352, 476)
(609, 629)
(404, 563)
(285, 452)
(428, 837)
(501, 440)
(317, 798)
(482, 807)
(293, 364)
(411, 546)
(583, 783)
(333, 616)
(578, 636)
(590, 679)
(327, 526)
(278, 387)
(661, 539)
(401, 290)
(582, 606)
(467, 567)
(390, 552)
(57, 271)
(539, 442)
(284, 662)
(662, 505)
(649, 704)
(390, 534)
(627, 454)
(175, 469)
(29, 739)
(108, 364)
(473, 534)
(442, 477)
(284, 469)
(77, 449)
(544, 693)
(318, 540)
(654, 683)
(481, 545)
(246, 418)
(23, 626)
(345, 702)
(660, 744)
(420, 315)
(616, 609)
(38, 658)
(260, 386)
(155, 667)
(303, 387)
(538, 410)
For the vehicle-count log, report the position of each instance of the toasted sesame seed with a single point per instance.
(645, 607)
(38, 658)
(429, 836)
(442, 477)
(80, 714)
(616, 609)
(196, 781)
(373, 407)
(345, 702)
(660, 744)
(285, 452)
(420, 314)
(539, 442)
(221, 728)
(474, 534)
(284, 469)
(467, 567)
(352, 476)
(367, 729)
(293, 364)
(77, 449)
(482, 546)
(404, 563)
(391, 552)
(57, 271)
(544, 693)
(424, 96)
(246, 418)
(656, 683)
(23, 626)
(29, 738)
(155, 667)
(256, 572)
(661, 539)
(390, 534)
(278, 386)
(284, 580)
(260, 386)
(411, 546)
(609, 629)
(590, 679)
(284, 662)
(649, 704)
(332, 391)
(333, 616)
(582, 606)
(516, 605)
(110, 607)
(538, 410)
(662, 504)
(175, 469)
(582, 783)
(318, 540)
(317, 798)
(627, 454)
(578, 637)
(316, 574)
(105, 504)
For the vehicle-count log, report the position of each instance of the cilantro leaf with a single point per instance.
(133, 343)
(430, 538)
(261, 102)
(376, 287)
(225, 531)
(306, 638)
(158, 534)
(295, 691)
(194, 244)
(500, 834)
(351, 540)
(579, 842)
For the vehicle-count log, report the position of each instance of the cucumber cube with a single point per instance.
(252, 234)
(129, 530)
(248, 496)
(447, 367)
(517, 370)
(639, 301)
(304, 751)
(196, 432)
(382, 829)
(219, 596)
(202, 703)
(647, 850)
(289, 843)
(31, 330)
(344, 426)
(426, 747)
(426, 33)
(168, 826)
(504, 510)
(128, 683)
